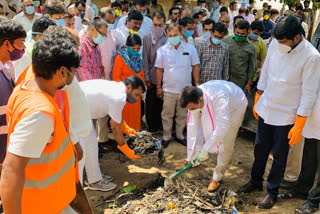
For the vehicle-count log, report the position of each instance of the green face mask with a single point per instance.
(36, 3)
(239, 38)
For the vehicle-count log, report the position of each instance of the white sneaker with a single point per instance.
(102, 185)
(104, 177)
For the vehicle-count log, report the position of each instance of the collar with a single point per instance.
(181, 46)
(88, 41)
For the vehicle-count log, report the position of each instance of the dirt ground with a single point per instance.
(146, 174)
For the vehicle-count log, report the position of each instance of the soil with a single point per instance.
(150, 196)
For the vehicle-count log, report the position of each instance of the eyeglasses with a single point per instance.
(100, 32)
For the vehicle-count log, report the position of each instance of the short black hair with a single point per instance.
(274, 11)
(172, 9)
(243, 25)
(237, 17)
(52, 7)
(242, 10)
(159, 15)
(197, 15)
(76, 4)
(42, 24)
(103, 11)
(97, 23)
(232, 3)
(186, 20)
(133, 39)
(190, 94)
(140, 2)
(115, 4)
(224, 9)
(55, 48)
(219, 27)
(135, 15)
(10, 30)
(287, 28)
(208, 22)
(135, 82)
(257, 25)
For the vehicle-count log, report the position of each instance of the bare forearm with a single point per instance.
(159, 76)
(196, 74)
(117, 133)
(80, 203)
(11, 187)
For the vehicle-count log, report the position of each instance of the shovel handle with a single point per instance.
(184, 168)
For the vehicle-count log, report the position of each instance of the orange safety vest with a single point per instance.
(50, 181)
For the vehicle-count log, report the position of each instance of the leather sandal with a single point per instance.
(181, 165)
(213, 186)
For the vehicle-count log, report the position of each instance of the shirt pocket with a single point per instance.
(186, 60)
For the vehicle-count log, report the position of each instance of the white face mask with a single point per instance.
(206, 35)
(195, 111)
(283, 48)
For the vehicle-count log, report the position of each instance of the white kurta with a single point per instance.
(145, 28)
(224, 105)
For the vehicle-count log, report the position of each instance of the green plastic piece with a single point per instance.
(129, 188)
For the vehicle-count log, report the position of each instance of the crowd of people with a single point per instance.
(69, 71)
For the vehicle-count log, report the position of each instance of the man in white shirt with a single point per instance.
(17, 4)
(215, 12)
(108, 98)
(132, 26)
(216, 110)
(285, 99)
(142, 7)
(28, 15)
(176, 63)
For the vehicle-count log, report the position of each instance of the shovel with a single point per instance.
(168, 180)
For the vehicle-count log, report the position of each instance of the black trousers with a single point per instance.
(153, 109)
(273, 139)
(310, 166)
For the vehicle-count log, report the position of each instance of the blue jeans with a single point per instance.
(273, 139)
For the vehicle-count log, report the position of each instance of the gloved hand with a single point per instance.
(203, 155)
(295, 133)
(193, 157)
(256, 98)
(128, 152)
(126, 129)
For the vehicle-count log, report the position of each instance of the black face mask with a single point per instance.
(132, 100)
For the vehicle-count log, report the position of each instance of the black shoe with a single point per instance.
(183, 141)
(100, 155)
(287, 185)
(267, 203)
(165, 143)
(249, 188)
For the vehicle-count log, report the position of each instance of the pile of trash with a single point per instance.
(143, 143)
(181, 197)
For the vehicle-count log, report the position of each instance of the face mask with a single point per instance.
(157, 31)
(117, 12)
(61, 22)
(30, 10)
(132, 52)
(215, 41)
(253, 36)
(132, 100)
(110, 27)
(144, 14)
(36, 3)
(82, 15)
(266, 17)
(133, 31)
(215, 4)
(283, 48)
(174, 40)
(206, 35)
(99, 39)
(188, 33)
(239, 38)
(16, 53)
(65, 87)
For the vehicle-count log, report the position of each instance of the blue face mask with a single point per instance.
(82, 15)
(215, 41)
(253, 36)
(132, 52)
(61, 22)
(174, 40)
(99, 39)
(144, 14)
(188, 33)
(30, 10)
